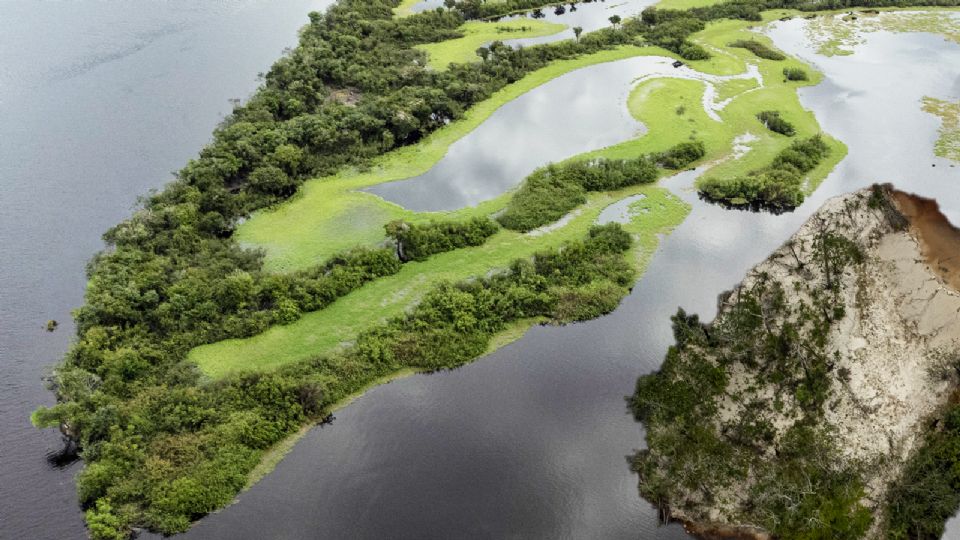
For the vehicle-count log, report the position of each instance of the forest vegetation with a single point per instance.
(751, 420)
(552, 191)
(164, 441)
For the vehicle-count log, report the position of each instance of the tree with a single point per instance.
(484, 53)
(615, 20)
(577, 30)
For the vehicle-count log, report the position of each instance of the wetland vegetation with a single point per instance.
(205, 342)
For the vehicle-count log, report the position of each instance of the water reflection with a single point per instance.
(529, 442)
(621, 211)
(871, 102)
(570, 115)
(578, 112)
(589, 16)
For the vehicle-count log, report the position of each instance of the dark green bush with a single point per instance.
(758, 49)
(681, 155)
(417, 242)
(795, 74)
(774, 122)
(778, 186)
(928, 493)
(552, 191)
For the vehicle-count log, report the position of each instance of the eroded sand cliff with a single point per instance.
(889, 340)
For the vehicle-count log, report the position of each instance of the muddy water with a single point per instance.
(529, 442)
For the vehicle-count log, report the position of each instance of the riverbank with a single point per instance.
(330, 215)
(177, 278)
(843, 413)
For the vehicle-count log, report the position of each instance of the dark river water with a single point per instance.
(100, 99)
(530, 441)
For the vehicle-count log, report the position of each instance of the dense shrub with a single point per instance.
(758, 49)
(774, 122)
(681, 155)
(453, 323)
(417, 242)
(928, 493)
(795, 74)
(778, 186)
(544, 197)
(552, 191)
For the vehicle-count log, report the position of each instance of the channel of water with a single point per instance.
(530, 441)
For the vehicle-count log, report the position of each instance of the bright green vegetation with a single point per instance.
(655, 103)
(734, 87)
(767, 462)
(948, 144)
(774, 122)
(325, 330)
(300, 233)
(759, 49)
(552, 191)
(743, 181)
(779, 185)
(838, 33)
(172, 425)
(476, 34)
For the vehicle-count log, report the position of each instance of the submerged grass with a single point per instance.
(948, 143)
(329, 214)
(836, 33)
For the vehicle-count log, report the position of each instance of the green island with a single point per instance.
(261, 290)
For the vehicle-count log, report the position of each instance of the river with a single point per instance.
(99, 101)
(528, 442)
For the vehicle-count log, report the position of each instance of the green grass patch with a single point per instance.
(310, 227)
(325, 330)
(328, 215)
(476, 34)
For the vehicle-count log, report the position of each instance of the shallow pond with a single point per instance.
(572, 114)
(529, 442)
(589, 16)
